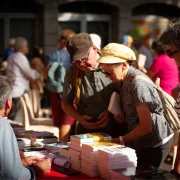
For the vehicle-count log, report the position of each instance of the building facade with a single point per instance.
(41, 21)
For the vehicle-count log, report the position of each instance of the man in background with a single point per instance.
(127, 40)
(145, 50)
(59, 62)
(10, 49)
(20, 72)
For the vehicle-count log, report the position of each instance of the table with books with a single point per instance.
(53, 175)
(86, 156)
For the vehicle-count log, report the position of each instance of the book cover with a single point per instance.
(91, 137)
(100, 137)
(114, 104)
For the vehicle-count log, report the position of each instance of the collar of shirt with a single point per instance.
(130, 74)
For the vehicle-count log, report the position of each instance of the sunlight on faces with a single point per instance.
(88, 63)
(176, 56)
(117, 71)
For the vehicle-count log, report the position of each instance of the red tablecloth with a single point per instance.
(53, 175)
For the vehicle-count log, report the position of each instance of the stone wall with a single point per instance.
(121, 20)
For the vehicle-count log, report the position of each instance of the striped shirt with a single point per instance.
(177, 105)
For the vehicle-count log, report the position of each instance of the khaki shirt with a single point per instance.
(96, 90)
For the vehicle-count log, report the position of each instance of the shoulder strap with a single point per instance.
(58, 56)
(77, 82)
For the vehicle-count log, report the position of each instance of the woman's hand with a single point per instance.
(119, 118)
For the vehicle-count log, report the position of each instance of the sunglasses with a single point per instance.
(171, 54)
(109, 73)
(106, 73)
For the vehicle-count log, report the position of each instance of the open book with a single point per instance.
(114, 104)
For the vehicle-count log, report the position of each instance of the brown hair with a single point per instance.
(66, 34)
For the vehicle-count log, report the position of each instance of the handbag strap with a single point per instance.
(77, 81)
(58, 56)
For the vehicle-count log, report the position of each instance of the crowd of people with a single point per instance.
(80, 79)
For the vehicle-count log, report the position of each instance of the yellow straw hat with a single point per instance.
(116, 53)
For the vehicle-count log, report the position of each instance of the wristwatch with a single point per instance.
(121, 139)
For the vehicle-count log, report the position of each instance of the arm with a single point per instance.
(142, 97)
(145, 125)
(155, 68)
(70, 110)
(151, 74)
(27, 70)
(177, 161)
(68, 98)
(67, 105)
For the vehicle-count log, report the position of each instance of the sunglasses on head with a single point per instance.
(171, 54)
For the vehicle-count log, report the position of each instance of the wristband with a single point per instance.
(121, 139)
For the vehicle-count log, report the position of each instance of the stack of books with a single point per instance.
(89, 157)
(75, 159)
(123, 174)
(76, 142)
(116, 158)
(23, 143)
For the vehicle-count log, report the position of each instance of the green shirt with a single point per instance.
(96, 91)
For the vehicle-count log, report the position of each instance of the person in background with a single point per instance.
(96, 39)
(145, 50)
(163, 67)
(11, 165)
(37, 64)
(10, 49)
(127, 40)
(20, 72)
(7, 53)
(148, 131)
(87, 91)
(171, 40)
(61, 120)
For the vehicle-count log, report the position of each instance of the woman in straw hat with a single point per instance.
(148, 132)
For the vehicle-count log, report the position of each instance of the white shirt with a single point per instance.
(19, 71)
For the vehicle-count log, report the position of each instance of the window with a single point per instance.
(24, 28)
